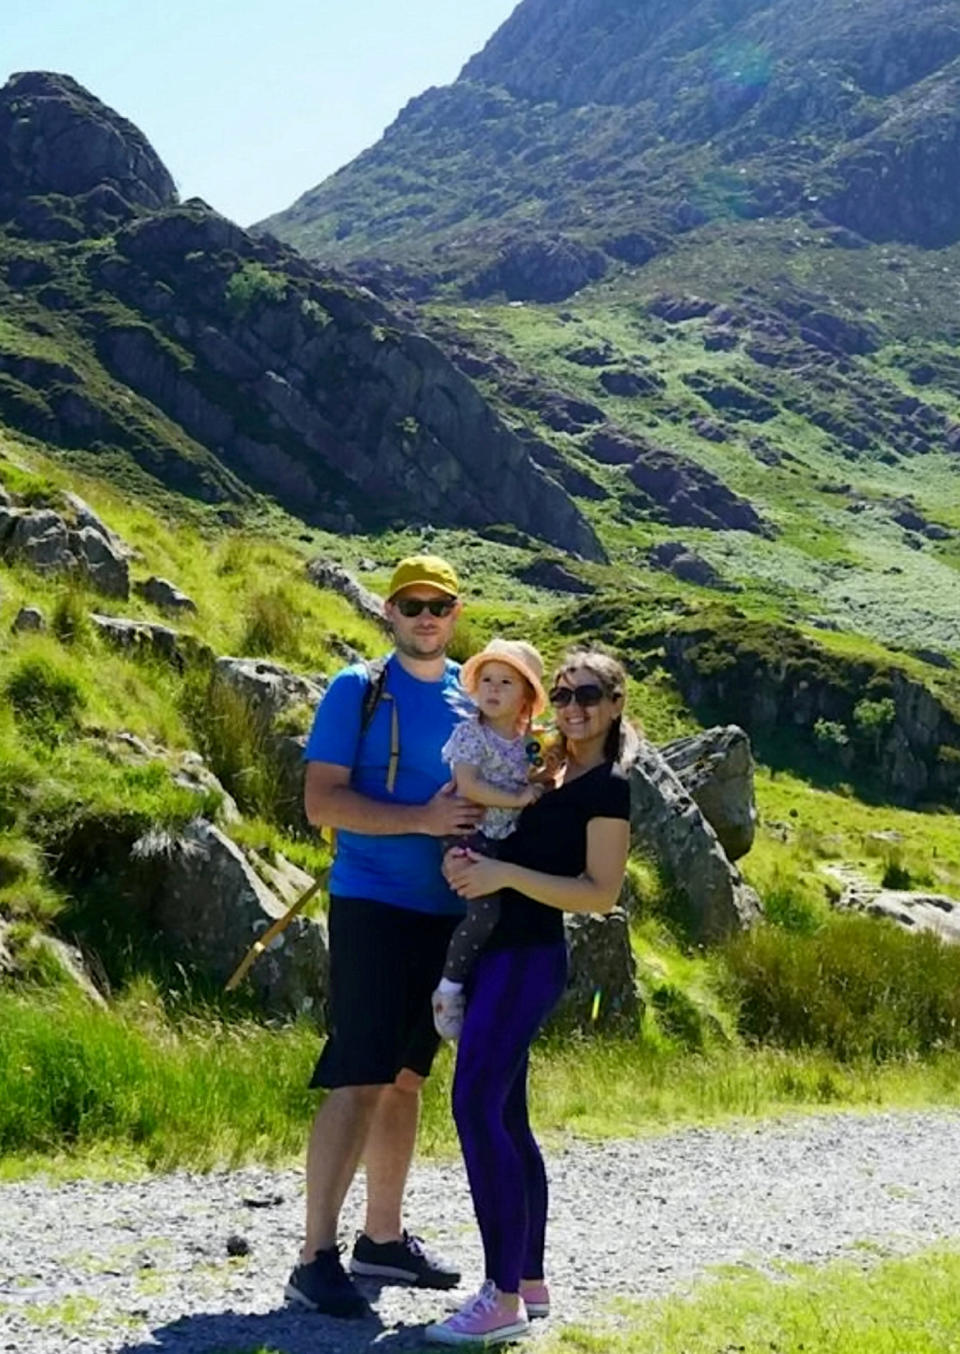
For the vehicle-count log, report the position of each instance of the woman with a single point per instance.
(567, 854)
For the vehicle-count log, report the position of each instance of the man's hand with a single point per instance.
(448, 814)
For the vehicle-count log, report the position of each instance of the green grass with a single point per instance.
(897, 1306)
(141, 1087)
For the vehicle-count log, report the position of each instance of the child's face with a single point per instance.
(501, 692)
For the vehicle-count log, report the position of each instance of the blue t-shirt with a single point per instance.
(402, 870)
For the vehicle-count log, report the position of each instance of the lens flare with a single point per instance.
(595, 1011)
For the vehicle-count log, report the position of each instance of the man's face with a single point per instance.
(423, 635)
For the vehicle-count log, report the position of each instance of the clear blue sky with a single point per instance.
(251, 102)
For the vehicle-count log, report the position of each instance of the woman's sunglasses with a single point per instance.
(437, 606)
(590, 693)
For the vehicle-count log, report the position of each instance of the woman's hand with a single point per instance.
(473, 876)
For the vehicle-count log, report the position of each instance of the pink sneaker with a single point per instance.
(536, 1297)
(483, 1319)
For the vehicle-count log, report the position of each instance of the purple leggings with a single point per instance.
(510, 994)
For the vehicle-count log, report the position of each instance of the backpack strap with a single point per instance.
(376, 692)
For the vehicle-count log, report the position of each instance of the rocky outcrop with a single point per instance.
(690, 496)
(71, 542)
(212, 906)
(150, 639)
(860, 716)
(913, 911)
(716, 769)
(326, 573)
(686, 564)
(55, 137)
(314, 391)
(539, 269)
(708, 892)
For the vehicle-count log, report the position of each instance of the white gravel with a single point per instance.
(143, 1267)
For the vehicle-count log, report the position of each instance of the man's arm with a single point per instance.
(330, 802)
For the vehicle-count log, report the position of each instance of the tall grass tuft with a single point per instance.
(857, 987)
(46, 694)
(233, 734)
(273, 625)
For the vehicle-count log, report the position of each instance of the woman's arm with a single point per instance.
(596, 890)
(471, 785)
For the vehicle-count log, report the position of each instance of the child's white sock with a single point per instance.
(447, 986)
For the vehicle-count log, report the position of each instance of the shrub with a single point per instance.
(857, 987)
(46, 696)
(253, 284)
(895, 873)
(830, 735)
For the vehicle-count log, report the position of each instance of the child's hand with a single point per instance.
(530, 795)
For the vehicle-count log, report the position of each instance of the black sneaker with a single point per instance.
(405, 1261)
(324, 1286)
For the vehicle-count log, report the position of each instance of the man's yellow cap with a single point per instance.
(425, 571)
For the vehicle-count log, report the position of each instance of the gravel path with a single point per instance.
(135, 1268)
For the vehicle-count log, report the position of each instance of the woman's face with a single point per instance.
(579, 723)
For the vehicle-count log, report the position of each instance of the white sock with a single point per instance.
(446, 986)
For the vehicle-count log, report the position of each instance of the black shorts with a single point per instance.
(384, 965)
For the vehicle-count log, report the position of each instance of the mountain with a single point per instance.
(160, 333)
(743, 450)
(627, 122)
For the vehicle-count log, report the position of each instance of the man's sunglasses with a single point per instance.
(413, 606)
(590, 693)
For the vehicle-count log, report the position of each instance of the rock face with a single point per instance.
(211, 905)
(55, 137)
(859, 715)
(714, 900)
(716, 768)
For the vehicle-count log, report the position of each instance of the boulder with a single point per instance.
(211, 906)
(913, 911)
(601, 992)
(716, 768)
(164, 594)
(28, 618)
(326, 573)
(270, 687)
(50, 543)
(149, 637)
(666, 821)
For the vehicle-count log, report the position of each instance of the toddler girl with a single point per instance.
(489, 759)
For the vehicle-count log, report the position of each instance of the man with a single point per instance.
(379, 780)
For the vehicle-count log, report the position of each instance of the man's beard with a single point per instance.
(413, 650)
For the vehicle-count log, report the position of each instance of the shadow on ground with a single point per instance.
(285, 1331)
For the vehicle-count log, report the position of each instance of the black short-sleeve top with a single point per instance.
(551, 836)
